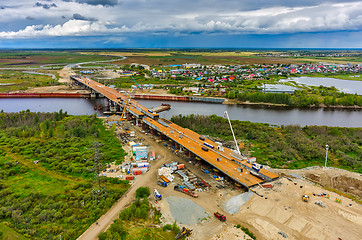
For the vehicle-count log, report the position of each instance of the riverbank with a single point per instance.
(158, 94)
(262, 104)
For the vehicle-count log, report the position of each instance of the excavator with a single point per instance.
(185, 232)
(305, 198)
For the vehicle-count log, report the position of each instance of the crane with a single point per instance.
(125, 105)
(138, 86)
(236, 144)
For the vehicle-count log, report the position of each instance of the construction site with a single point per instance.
(209, 189)
(273, 210)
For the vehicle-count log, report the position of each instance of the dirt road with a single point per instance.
(143, 180)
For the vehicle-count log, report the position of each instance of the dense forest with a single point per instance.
(138, 221)
(285, 146)
(48, 168)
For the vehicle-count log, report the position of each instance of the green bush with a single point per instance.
(143, 192)
(167, 227)
(247, 231)
(175, 229)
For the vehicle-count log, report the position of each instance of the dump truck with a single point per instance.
(185, 190)
(219, 216)
(162, 184)
(305, 198)
(185, 232)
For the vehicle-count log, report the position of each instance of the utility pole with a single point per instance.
(232, 131)
(98, 189)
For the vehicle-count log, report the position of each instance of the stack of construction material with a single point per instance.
(166, 172)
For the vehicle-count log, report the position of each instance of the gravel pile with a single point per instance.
(233, 205)
(186, 211)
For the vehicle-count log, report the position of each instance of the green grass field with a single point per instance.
(7, 233)
(11, 80)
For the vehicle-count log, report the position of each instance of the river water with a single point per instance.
(346, 86)
(271, 115)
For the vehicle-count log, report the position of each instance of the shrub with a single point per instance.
(247, 231)
(143, 192)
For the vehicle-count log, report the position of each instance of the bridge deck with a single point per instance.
(225, 159)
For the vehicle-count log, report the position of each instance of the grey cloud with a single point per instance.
(189, 17)
(5, 6)
(29, 18)
(77, 16)
(44, 5)
(106, 3)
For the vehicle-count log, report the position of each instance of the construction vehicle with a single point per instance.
(305, 198)
(205, 149)
(185, 190)
(185, 232)
(162, 184)
(138, 86)
(157, 195)
(232, 131)
(219, 216)
(125, 105)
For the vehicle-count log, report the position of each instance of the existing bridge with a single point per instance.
(232, 164)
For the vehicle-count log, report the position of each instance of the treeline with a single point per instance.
(298, 99)
(285, 146)
(177, 91)
(133, 221)
(47, 173)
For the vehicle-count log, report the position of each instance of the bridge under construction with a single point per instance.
(226, 160)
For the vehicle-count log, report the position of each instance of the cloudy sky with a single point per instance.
(185, 23)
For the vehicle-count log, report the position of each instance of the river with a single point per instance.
(271, 115)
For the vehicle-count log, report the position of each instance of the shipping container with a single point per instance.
(143, 164)
(208, 145)
(129, 177)
(181, 166)
(137, 171)
(143, 169)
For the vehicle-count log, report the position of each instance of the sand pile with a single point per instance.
(233, 205)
